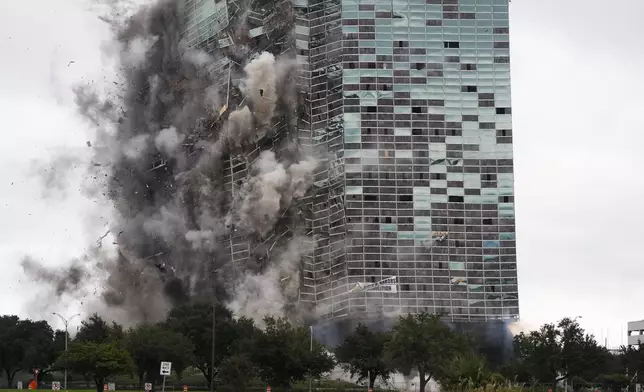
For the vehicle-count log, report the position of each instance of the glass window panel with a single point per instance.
(507, 236)
(456, 266)
(366, 14)
(402, 131)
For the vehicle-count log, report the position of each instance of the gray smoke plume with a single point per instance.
(54, 174)
(264, 294)
(168, 145)
(63, 280)
(270, 191)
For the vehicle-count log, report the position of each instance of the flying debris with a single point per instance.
(439, 235)
(99, 241)
(388, 285)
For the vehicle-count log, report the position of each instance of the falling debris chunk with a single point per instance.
(89, 144)
(100, 240)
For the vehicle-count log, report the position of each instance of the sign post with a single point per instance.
(166, 368)
(148, 386)
(55, 386)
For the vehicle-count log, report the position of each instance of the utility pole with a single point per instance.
(66, 322)
(311, 350)
(212, 347)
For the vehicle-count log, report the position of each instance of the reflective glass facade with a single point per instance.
(410, 102)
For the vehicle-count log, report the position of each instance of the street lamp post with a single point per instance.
(212, 353)
(311, 350)
(212, 348)
(66, 322)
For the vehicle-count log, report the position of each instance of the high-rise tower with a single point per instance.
(410, 102)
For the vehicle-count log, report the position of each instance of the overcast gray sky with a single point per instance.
(576, 68)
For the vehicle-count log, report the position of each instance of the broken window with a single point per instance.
(456, 199)
(469, 89)
(458, 221)
(503, 110)
(451, 44)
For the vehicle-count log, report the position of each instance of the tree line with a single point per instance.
(281, 354)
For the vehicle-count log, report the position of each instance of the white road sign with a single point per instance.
(148, 386)
(166, 367)
(55, 386)
(111, 386)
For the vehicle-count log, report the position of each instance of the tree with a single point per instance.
(24, 345)
(195, 322)
(468, 372)
(362, 354)
(96, 361)
(560, 351)
(39, 349)
(97, 330)
(613, 382)
(149, 345)
(59, 342)
(631, 361)
(517, 371)
(422, 342)
(236, 371)
(283, 355)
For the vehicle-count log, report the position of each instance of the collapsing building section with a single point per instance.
(315, 125)
(236, 32)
